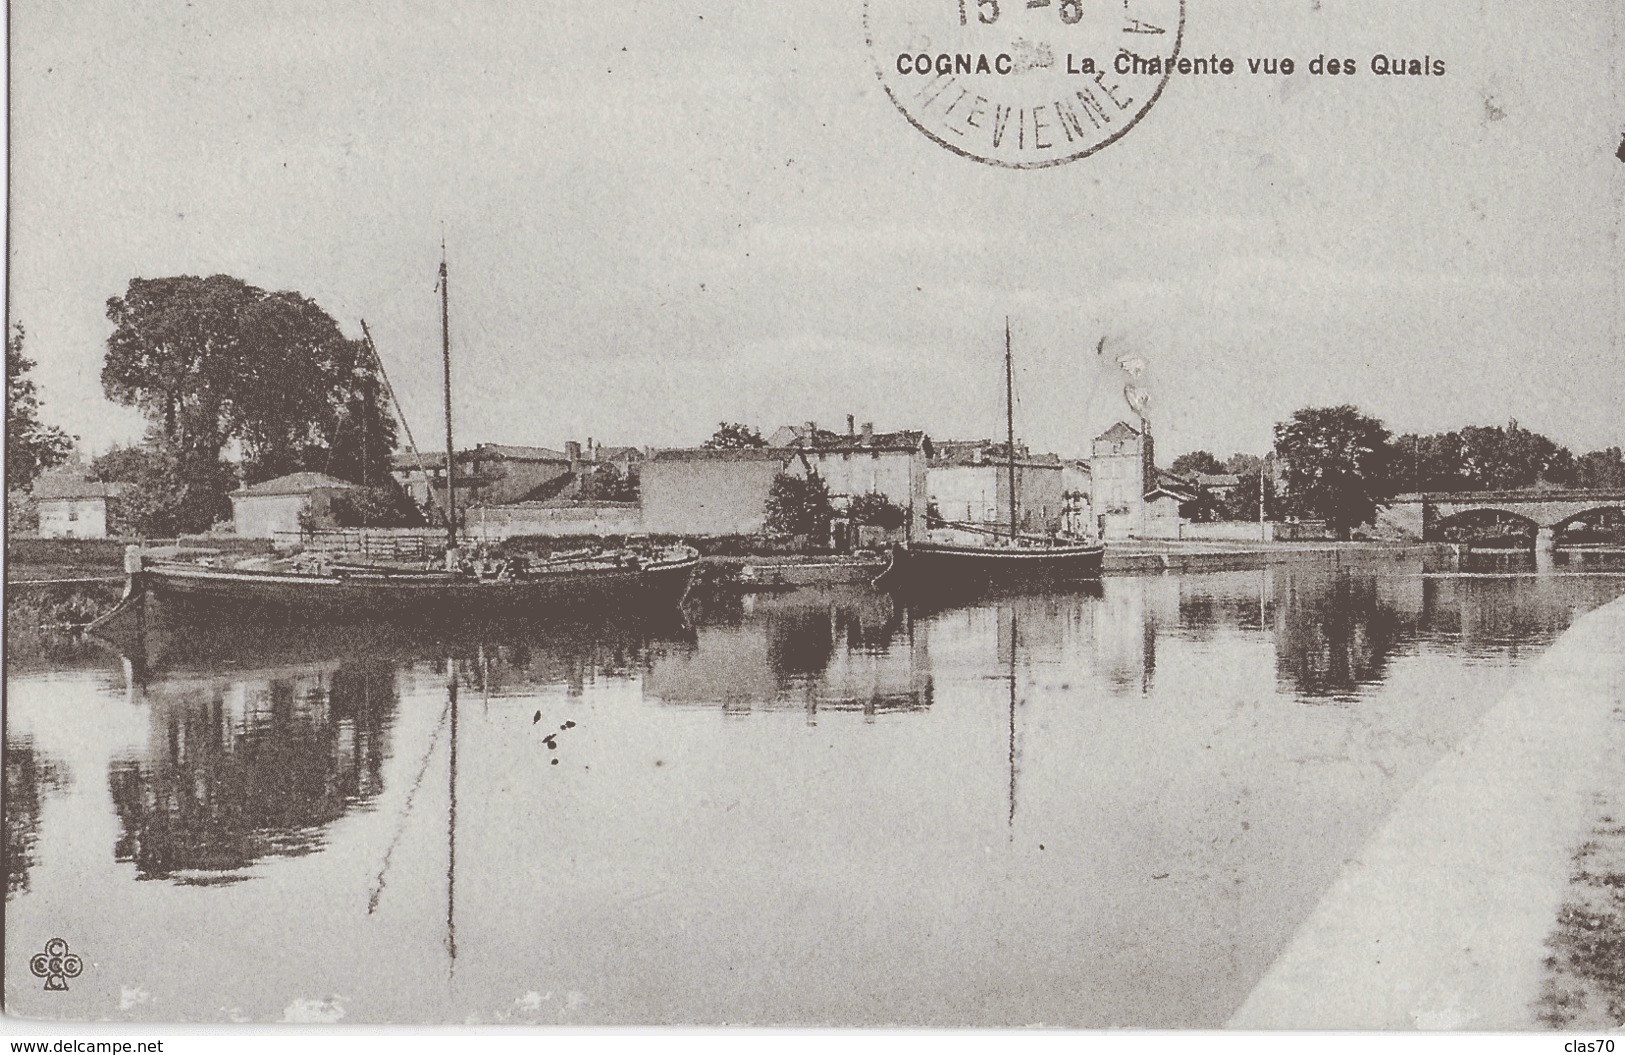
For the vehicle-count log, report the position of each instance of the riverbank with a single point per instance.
(1457, 913)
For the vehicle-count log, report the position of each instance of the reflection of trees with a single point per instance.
(29, 777)
(1496, 611)
(1335, 634)
(255, 768)
(800, 642)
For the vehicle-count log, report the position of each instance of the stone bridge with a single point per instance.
(1547, 510)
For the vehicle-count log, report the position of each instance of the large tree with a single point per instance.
(215, 361)
(211, 360)
(1338, 464)
(31, 446)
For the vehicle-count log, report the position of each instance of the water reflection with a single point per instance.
(30, 777)
(255, 766)
(1140, 788)
(846, 650)
(1339, 635)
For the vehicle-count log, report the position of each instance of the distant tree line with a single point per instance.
(1339, 465)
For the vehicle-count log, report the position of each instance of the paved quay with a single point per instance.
(1441, 920)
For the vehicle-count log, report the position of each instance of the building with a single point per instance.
(490, 474)
(695, 491)
(279, 505)
(495, 474)
(1077, 487)
(1221, 485)
(969, 483)
(71, 506)
(1131, 497)
(865, 462)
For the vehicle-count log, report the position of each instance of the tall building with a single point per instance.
(1130, 497)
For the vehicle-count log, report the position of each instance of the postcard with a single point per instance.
(1087, 514)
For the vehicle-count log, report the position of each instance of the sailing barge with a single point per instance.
(1009, 561)
(617, 582)
(621, 581)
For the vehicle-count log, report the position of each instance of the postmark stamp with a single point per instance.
(1024, 83)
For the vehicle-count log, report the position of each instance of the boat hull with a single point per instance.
(415, 596)
(936, 568)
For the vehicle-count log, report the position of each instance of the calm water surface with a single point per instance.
(817, 807)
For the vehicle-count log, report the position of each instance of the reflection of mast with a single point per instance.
(1011, 820)
(451, 825)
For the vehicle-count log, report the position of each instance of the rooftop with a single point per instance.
(297, 484)
(1120, 431)
(406, 461)
(810, 437)
(73, 485)
(986, 452)
(731, 454)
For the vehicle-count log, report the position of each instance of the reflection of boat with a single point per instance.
(1013, 560)
(511, 652)
(458, 592)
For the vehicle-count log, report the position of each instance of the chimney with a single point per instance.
(572, 451)
(868, 434)
(851, 428)
(812, 434)
(592, 451)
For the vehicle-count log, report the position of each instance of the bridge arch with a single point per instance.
(1610, 519)
(1486, 523)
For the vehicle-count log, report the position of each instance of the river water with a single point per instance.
(818, 807)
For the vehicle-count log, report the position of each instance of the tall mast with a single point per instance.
(445, 355)
(1010, 424)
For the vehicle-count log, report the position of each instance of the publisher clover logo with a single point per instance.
(56, 965)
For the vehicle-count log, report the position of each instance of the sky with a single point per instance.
(659, 216)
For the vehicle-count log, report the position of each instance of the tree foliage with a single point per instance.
(1196, 463)
(1338, 464)
(1482, 458)
(212, 361)
(876, 510)
(606, 483)
(799, 505)
(731, 435)
(1604, 468)
(386, 505)
(167, 492)
(31, 446)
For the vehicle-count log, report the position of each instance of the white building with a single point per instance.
(864, 462)
(263, 510)
(71, 506)
(969, 483)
